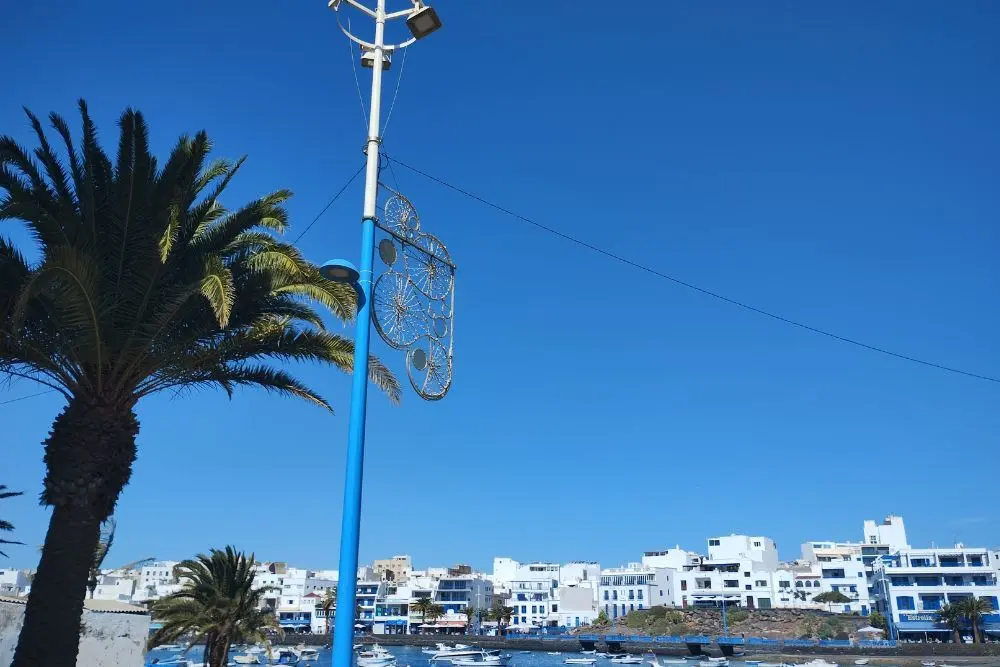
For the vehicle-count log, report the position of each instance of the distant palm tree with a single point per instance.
(423, 605)
(434, 612)
(952, 616)
(6, 526)
(328, 604)
(218, 605)
(502, 614)
(104, 543)
(145, 284)
(973, 609)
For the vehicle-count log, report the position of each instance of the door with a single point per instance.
(749, 602)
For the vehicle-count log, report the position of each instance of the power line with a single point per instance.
(329, 203)
(691, 286)
(24, 398)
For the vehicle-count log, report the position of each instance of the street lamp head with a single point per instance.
(340, 271)
(423, 21)
(333, 4)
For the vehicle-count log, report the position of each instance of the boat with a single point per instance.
(627, 660)
(458, 651)
(246, 659)
(719, 660)
(553, 653)
(168, 647)
(752, 663)
(579, 661)
(306, 653)
(486, 658)
(818, 662)
(714, 662)
(376, 656)
(928, 663)
(441, 648)
(592, 651)
(862, 661)
(285, 656)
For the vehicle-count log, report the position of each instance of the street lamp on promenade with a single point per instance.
(412, 303)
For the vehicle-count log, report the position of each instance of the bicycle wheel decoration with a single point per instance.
(413, 301)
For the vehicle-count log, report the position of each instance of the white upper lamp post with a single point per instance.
(422, 21)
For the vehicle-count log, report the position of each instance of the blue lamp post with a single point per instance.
(421, 20)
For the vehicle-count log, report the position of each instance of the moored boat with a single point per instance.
(579, 661)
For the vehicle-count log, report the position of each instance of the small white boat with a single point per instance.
(714, 662)
(818, 662)
(719, 660)
(246, 659)
(627, 660)
(928, 663)
(305, 653)
(376, 656)
(579, 661)
(592, 651)
(168, 647)
(861, 661)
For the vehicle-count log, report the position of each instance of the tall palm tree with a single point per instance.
(423, 605)
(482, 615)
(7, 526)
(104, 542)
(502, 614)
(145, 283)
(328, 605)
(952, 616)
(218, 605)
(973, 609)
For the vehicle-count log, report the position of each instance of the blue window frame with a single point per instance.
(639, 594)
(605, 595)
(905, 602)
(534, 609)
(524, 609)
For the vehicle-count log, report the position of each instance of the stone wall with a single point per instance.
(108, 639)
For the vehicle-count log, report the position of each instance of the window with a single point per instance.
(684, 586)
(524, 609)
(614, 595)
(555, 608)
(605, 595)
(631, 594)
(798, 584)
(746, 574)
(730, 583)
(640, 606)
(905, 602)
(749, 587)
(639, 594)
(761, 582)
(534, 609)
(713, 543)
(631, 607)
(784, 584)
(756, 544)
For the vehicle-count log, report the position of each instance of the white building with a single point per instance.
(532, 592)
(674, 559)
(911, 586)
(14, 582)
(635, 587)
(119, 589)
(891, 532)
(574, 605)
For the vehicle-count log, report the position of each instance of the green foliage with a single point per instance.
(6, 526)
(218, 605)
(832, 597)
(602, 619)
(877, 620)
(148, 283)
(973, 609)
(737, 615)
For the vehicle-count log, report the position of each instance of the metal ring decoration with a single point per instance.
(427, 262)
(401, 217)
(429, 366)
(413, 301)
(394, 306)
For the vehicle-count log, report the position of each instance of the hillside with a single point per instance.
(771, 623)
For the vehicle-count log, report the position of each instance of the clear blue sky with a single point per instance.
(836, 164)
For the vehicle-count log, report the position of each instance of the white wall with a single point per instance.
(108, 640)
(892, 532)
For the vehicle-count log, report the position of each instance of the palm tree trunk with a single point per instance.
(51, 631)
(975, 631)
(88, 455)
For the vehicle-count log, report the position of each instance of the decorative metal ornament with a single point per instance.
(413, 301)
